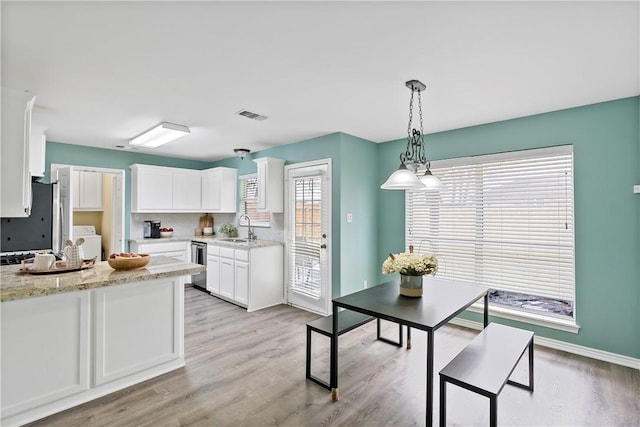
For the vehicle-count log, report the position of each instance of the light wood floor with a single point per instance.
(249, 369)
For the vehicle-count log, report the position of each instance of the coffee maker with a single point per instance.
(151, 229)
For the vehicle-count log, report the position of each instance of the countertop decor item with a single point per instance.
(129, 262)
(411, 268)
(229, 230)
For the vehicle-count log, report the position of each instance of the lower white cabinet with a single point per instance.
(213, 270)
(124, 347)
(177, 249)
(59, 351)
(252, 278)
(45, 351)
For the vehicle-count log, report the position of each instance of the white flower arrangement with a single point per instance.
(410, 264)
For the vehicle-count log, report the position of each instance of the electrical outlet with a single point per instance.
(349, 217)
(636, 189)
(366, 284)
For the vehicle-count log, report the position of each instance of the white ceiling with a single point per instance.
(106, 71)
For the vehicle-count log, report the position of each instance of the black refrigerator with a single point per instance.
(35, 232)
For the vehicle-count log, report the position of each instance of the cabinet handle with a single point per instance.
(323, 246)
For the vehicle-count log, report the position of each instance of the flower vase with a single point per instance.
(411, 286)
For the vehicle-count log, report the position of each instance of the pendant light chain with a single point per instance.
(414, 156)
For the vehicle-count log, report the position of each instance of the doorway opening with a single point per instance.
(91, 198)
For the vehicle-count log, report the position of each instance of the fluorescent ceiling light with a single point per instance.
(159, 135)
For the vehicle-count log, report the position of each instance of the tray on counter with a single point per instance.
(58, 267)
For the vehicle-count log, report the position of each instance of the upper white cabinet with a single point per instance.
(270, 184)
(17, 107)
(87, 190)
(37, 146)
(163, 189)
(187, 188)
(219, 190)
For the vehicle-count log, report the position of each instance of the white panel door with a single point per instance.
(242, 282)
(308, 230)
(227, 280)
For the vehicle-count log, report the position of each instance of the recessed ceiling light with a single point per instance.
(159, 135)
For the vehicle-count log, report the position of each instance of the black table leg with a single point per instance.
(429, 379)
(486, 309)
(408, 337)
(334, 356)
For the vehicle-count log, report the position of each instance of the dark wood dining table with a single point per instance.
(441, 301)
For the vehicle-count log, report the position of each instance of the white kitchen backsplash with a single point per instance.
(185, 224)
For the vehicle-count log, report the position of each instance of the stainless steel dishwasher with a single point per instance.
(199, 256)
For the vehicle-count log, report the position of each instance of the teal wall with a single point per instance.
(607, 164)
(78, 155)
(354, 190)
(606, 143)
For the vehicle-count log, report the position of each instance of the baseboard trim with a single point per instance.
(592, 353)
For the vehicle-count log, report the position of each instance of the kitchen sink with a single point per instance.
(233, 240)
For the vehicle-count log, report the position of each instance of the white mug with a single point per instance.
(74, 255)
(43, 261)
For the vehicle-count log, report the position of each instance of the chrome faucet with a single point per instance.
(251, 235)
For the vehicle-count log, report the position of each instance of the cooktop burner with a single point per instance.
(17, 257)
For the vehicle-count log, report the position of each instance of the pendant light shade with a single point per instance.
(402, 179)
(414, 155)
(430, 182)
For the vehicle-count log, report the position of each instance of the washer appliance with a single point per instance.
(92, 246)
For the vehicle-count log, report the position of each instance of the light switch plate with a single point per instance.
(636, 189)
(349, 217)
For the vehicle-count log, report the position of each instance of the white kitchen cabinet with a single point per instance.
(249, 277)
(213, 269)
(176, 249)
(241, 289)
(186, 190)
(37, 148)
(45, 350)
(59, 351)
(270, 184)
(15, 182)
(124, 347)
(87, 190)
(219, 190)
(163, 189)
(227, 279)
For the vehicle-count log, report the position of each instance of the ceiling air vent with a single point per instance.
(250, 115)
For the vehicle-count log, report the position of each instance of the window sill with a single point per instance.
(528, 317)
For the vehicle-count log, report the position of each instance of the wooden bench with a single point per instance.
(486, 364)
(347, 321)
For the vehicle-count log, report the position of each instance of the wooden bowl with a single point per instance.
(122, 263)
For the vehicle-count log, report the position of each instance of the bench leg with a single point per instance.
(408, 337)
(531, 365)
(308, 364)
(493, 411)
(528, 387)
(443, 402)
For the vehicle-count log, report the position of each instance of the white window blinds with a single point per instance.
(249, 201)
(504, 220)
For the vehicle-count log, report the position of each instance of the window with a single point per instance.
(249, 201)
(504, 221)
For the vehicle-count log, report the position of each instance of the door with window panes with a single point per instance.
(308, 236)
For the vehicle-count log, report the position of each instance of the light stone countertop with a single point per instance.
(216, 240)
(14, 284)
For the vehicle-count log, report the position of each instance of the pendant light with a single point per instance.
(414, 155)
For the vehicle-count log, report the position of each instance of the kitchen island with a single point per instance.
(68, 338)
